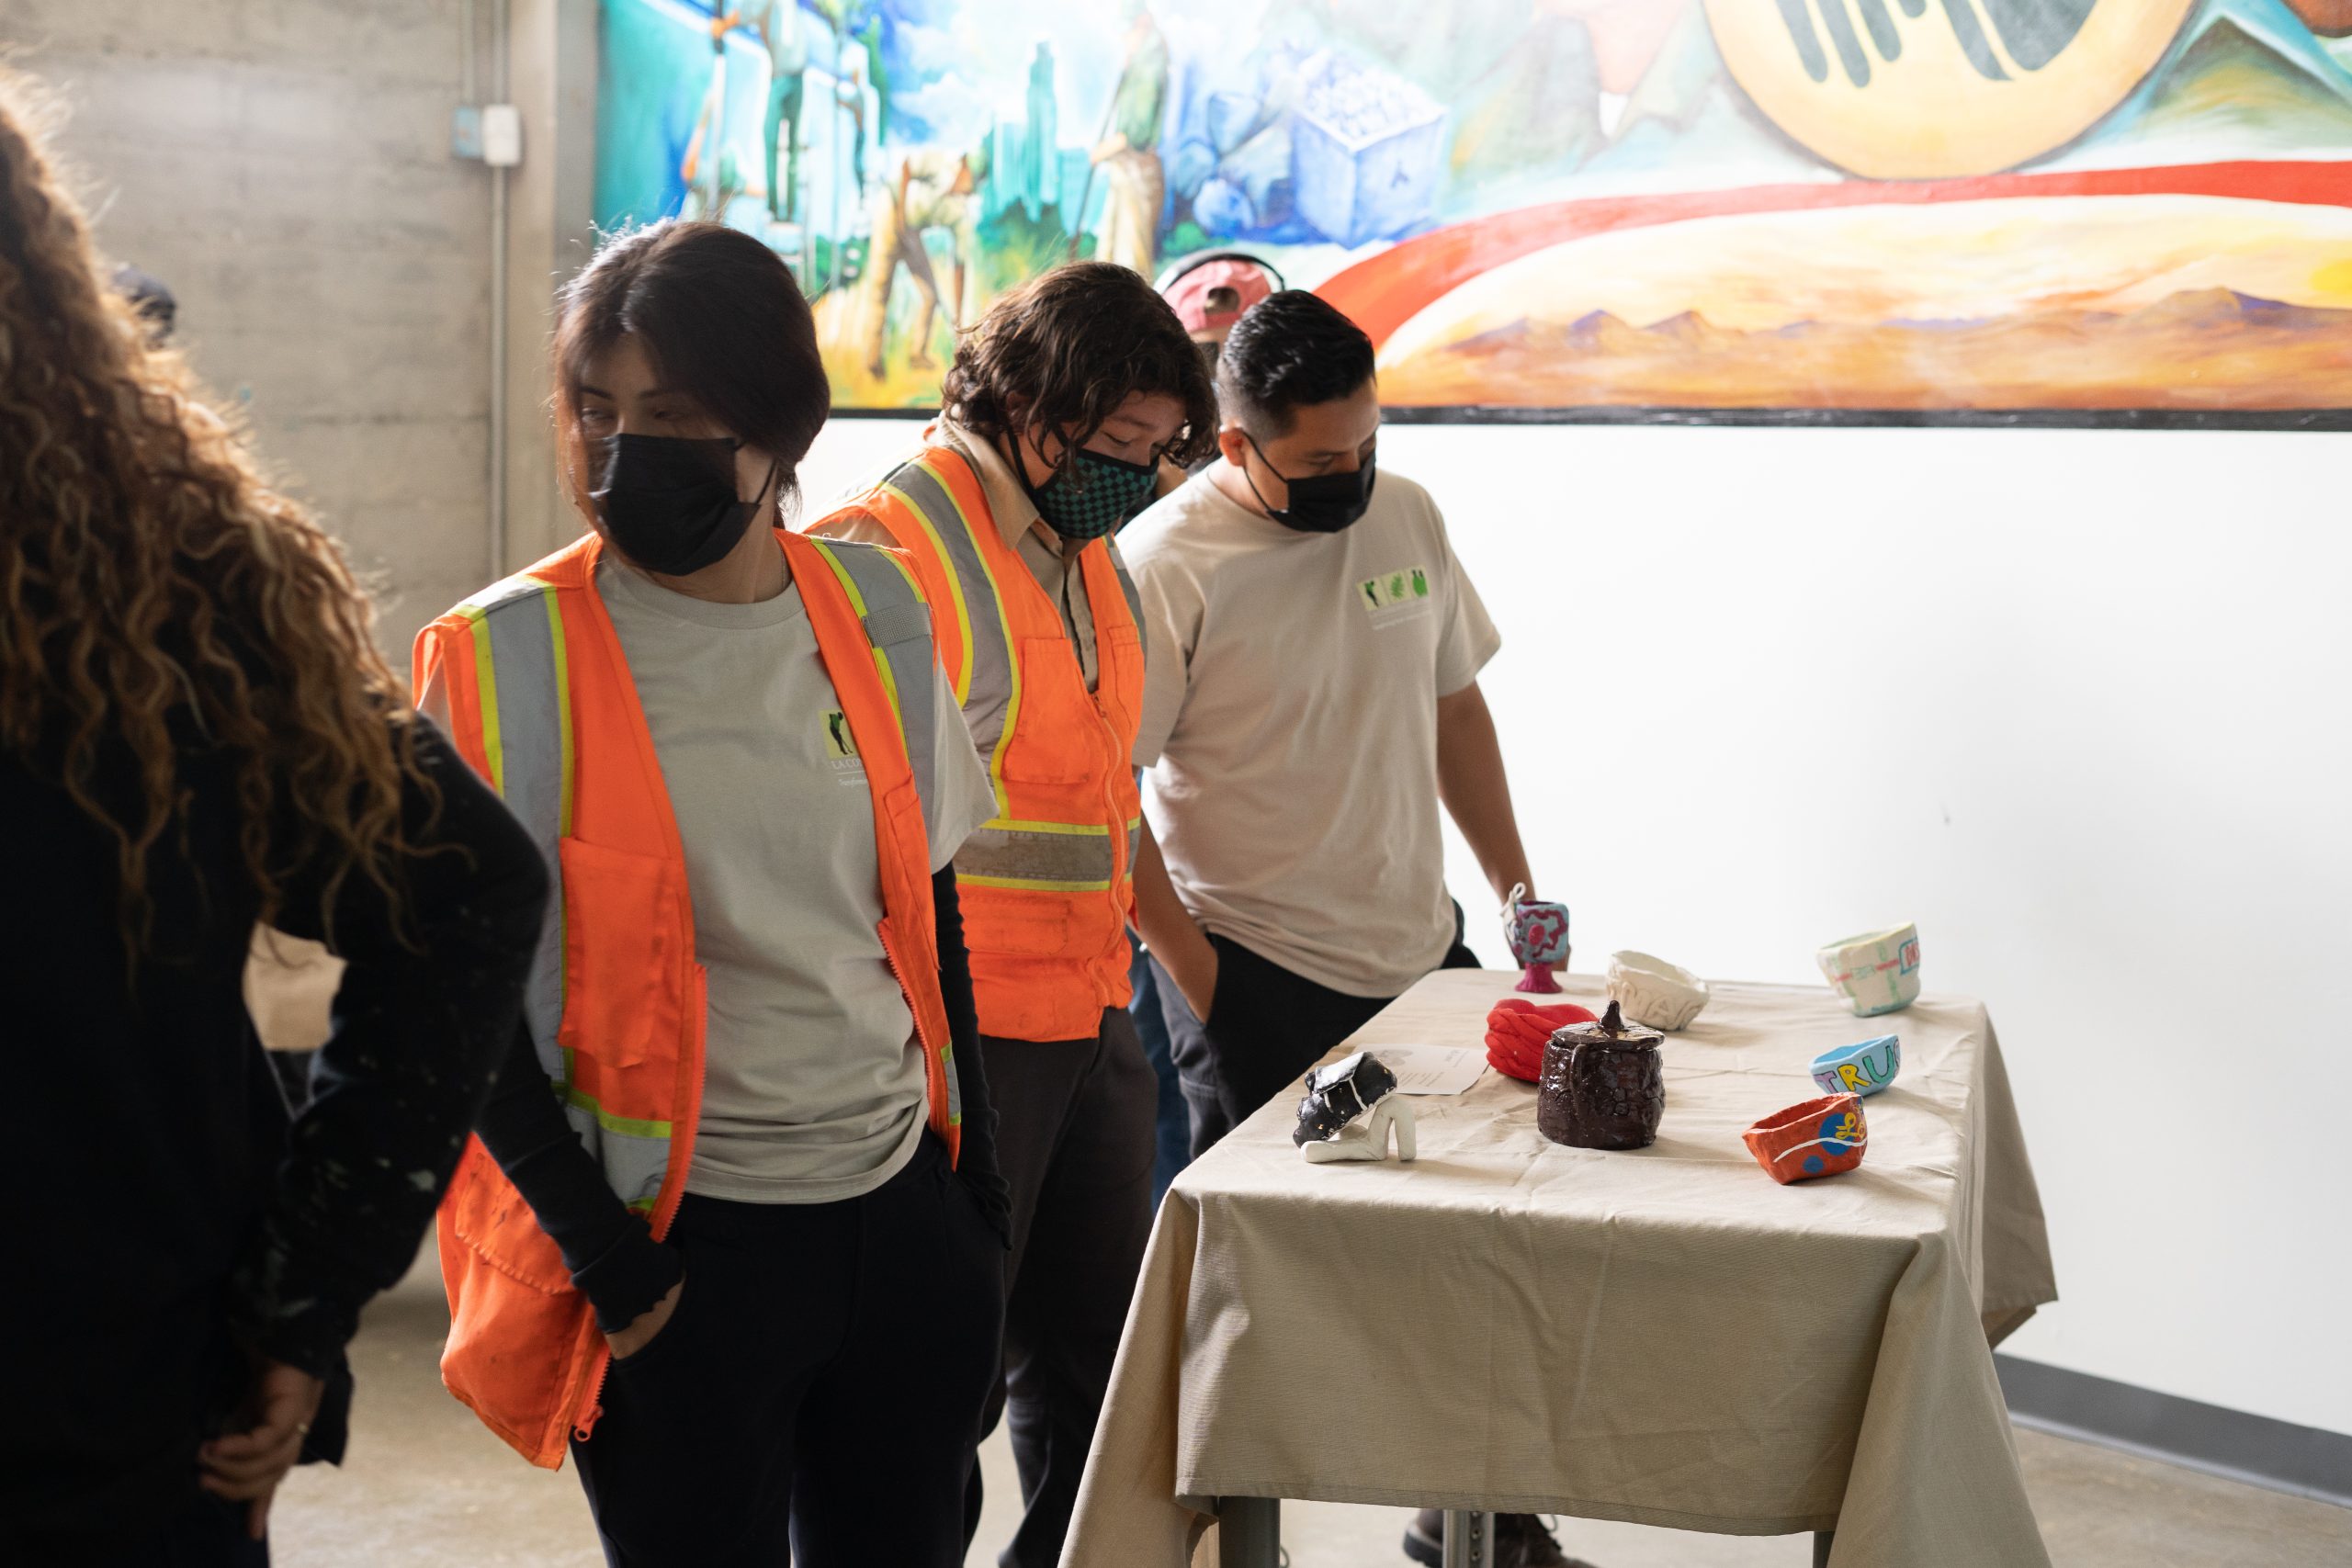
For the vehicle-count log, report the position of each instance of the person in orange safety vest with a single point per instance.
(732, 1226)
(1058, 409)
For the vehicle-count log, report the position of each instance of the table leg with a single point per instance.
(1249, 1532)
(1822, 1542)
(1469, 1540)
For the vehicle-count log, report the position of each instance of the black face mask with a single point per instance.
(1320, 503)
(668, 502)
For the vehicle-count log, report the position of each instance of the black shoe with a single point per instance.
(1521, 1542)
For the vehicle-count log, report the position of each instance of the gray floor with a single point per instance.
(426, 1487)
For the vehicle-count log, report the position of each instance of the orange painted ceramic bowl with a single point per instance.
(1820, 1137)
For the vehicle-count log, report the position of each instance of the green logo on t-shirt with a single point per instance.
(1394, 591)
(839, 744)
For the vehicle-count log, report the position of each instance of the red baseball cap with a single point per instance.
(1189, 295)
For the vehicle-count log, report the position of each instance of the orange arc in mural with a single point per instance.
(1926, 89)
(1383, 292)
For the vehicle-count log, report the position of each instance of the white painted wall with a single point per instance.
(2077, 702)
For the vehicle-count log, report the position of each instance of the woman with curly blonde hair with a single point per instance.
(197, 734)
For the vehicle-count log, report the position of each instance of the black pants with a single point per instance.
(1266, 1027)
(816, 1395)
(1074, 1136)
(210, 1533)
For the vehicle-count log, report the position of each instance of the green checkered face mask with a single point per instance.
(1105, 494)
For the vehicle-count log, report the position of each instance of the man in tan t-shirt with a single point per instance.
(1311, 699)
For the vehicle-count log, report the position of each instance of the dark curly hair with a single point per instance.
(153, 586)
(1064, 350)
(1291, 350)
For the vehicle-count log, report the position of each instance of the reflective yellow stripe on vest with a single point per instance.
(988, 690)
(898, 624)
(1045, 857)
(522, 681)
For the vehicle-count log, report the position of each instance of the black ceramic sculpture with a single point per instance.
(1339, 1093)
(1603, 1084)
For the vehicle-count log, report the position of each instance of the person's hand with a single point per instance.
(247, 1464)
(1196, 975)
(649, 1322)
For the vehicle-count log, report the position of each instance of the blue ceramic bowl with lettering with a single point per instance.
(1863, 1070)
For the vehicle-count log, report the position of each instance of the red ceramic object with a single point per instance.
(1517, 1033)
(1820, 1137)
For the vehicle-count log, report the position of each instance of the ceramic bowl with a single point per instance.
(1654, 992)
(1863, 1069)
(1820, 1137)
(1877, 973)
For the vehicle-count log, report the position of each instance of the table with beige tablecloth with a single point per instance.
(1664, 1336)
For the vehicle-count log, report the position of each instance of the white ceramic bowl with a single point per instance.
(1876, 973)
(1655, 993)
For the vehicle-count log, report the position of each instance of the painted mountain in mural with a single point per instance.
(2177, 302)
(2209, 349)
(2245, 79)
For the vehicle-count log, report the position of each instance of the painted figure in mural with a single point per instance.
(1127, 158)
(849, 92)
(778, 23)
(705, 169)
(1041, 182)
(933, 190)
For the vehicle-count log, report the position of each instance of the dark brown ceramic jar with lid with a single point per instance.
(1603, 1084)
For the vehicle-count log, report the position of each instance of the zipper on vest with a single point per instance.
(586, 1425)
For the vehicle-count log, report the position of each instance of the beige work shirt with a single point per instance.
(1289, 726)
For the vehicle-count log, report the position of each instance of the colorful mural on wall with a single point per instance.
(1558, 209)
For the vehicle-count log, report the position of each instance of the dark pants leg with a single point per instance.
(1266, 1027)
(814, 1396)
(1074, 1136)
(1172, 1133)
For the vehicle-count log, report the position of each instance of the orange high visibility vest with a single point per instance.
(530, 683)
(1047, 886)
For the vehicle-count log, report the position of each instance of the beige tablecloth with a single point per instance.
(1666, 1336)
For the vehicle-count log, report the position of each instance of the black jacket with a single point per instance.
(172, 1224)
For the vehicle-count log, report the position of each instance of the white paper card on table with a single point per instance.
(1431, 1069)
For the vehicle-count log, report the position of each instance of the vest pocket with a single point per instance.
(1052, 741)
(1118, 670)
(623, 1004)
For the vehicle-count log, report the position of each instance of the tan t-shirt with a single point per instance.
(812, 1078)
(1290, 726)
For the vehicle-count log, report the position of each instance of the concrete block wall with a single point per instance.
(283, 166)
